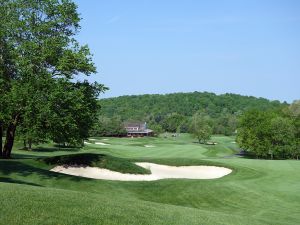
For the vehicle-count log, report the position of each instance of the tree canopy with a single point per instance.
(200, 127)
(174, 112)
(270, 134)
(39, 59)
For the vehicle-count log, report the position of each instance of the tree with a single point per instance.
(296, 123)
(160, 109)
(267, 133)
(172, 122)
(225, 124)
(7, 70)
(294, 113)
(71, 119)
(294, 108)
(39, 57)
(200, 127)
(254, 132)
(109, 127)
(282, 137)
(157, 129)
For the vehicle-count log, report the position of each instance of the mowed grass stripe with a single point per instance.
(38, 206)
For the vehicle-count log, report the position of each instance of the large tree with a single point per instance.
(296, 153)
(268, 134)
(294, 113)
(282, 136)
(39, 58)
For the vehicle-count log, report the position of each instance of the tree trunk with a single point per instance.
(29, 144)
(10, 138)
(25, 143)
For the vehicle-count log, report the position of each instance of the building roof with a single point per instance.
(137, 128)
(146, 131)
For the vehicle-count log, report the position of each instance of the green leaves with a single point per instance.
(39, 57)
(267, 134)
(200, 127)
(108, 127)
(172, 110)
(173, 122)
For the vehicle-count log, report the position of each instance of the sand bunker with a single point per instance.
(87, 143)
(211, 143)
(101, 143)
(149, 146)
(157, 172)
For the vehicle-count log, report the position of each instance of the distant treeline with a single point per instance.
(173, 112)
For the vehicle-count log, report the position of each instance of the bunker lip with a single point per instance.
(101, 143)
(158, 172)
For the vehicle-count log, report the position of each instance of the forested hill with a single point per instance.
(144, 106)
(173, 112)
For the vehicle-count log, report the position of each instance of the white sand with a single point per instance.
(101, 143)
(157, 172)
(87, 143)
(92, 139)
(105, 139)
(149, 146)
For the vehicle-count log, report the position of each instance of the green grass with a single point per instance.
(257, 192)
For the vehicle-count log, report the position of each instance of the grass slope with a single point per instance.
(257, 192)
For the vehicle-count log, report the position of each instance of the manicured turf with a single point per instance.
(257, 192)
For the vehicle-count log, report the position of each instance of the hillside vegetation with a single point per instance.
(146, 106)
(173, 112)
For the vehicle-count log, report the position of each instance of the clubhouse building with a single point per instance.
(137, 129)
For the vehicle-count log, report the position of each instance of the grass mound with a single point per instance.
(97, 160)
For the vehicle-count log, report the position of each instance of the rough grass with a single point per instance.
(257, 192)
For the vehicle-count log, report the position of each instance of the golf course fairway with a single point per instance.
(255, 192)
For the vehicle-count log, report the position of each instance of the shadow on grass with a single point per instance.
(14, 181)
(23, 156)
(246, 155)
(38, 169)
(205, 144)
(67, 146)
(14, 168)
(55, 149)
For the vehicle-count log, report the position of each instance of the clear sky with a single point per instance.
(249, 47)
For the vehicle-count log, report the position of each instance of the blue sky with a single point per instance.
(249, 47)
